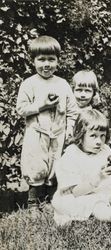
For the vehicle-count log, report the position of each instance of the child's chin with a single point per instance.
(96, 151)
(93, 151)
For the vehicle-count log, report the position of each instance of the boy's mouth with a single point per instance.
(46, 69)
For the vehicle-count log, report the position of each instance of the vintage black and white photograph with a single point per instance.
(55, 106)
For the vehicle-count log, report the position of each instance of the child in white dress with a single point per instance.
(83, 174)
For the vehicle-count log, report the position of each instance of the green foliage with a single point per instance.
(83, 29)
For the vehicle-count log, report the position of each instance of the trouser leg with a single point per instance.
(34, 158)
(55, 151)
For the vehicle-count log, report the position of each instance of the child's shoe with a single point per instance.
(51, 187)
(36, 195)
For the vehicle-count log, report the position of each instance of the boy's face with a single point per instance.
(93, 141)
(83, 95)
(46, 65)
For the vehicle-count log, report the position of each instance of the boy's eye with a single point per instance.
(41, 59)
(51, 59)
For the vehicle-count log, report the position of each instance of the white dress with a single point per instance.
(75, 168)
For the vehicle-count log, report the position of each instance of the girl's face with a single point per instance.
(83, 95)
(46, 65)
(93, 141)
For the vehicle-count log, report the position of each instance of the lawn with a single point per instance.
(34, 229)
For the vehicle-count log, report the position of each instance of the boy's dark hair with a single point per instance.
(90, 119)
(44, 45)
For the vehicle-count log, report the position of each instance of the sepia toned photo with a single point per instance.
(55, 106)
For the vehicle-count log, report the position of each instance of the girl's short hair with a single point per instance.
(84, 78)
(90, 120)
(44, 45)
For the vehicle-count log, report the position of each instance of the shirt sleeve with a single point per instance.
(71, 112)
(25, 101)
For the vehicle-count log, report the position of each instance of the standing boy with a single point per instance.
(47, 103)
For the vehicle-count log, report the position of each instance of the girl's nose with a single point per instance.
(82, 94)
(98, 141)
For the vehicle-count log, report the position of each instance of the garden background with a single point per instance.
(83, 29)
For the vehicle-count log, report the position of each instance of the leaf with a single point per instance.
(19, 27)
(33, 32)
(105, 40)
(1, 81)
(13, 160)
(18, 138)
(6, 130)
(22, 55)
(5, 8)
(19, 40)
(11, 142)
(1, 22)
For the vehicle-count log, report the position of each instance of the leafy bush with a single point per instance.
(83, 29)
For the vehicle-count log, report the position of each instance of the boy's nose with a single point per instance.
(46, 63)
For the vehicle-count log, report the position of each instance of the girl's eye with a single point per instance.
(93, 135)
(78, 90)
(88, 90)
(103, 136)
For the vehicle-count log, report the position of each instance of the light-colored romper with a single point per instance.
(45, 131)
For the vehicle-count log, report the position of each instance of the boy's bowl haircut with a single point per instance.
(46, 45)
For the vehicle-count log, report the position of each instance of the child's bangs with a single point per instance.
(47, 50)
(45, 45)
(98, 127)
(86, 85)
(98, 123)
(101, 126)
(85, 79)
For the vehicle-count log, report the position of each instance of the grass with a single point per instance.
(31, 229)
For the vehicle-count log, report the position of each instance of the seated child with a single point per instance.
(83, 173)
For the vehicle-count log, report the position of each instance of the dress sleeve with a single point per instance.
(66, 170)
(25, 101)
